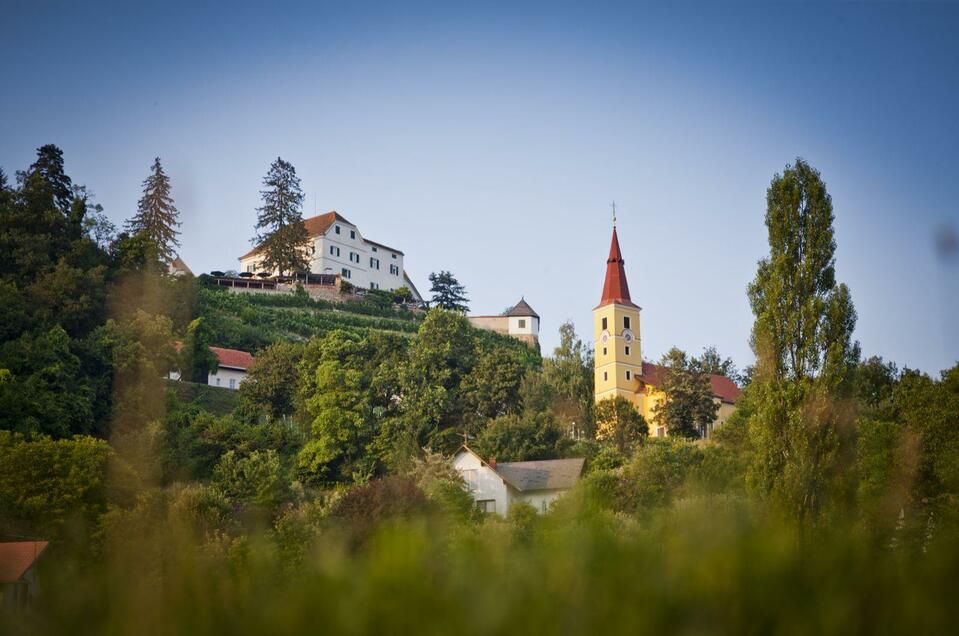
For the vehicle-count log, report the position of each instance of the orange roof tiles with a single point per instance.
(17, 557)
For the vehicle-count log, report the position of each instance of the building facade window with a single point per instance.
(661, 431)
(469, 476)
(522, 323)
(347, 274)
(604, 350)
(393, 255)
(605, 376)
(627, 349)
(394, 270)
(232, 383)
(336, 228)
(605, 324)
(352, 234)
(218, 381)
(374, 263)
(486, 505)
(374, 248)
(626, 322)
(334, 250)
(629, 375)
(374, 285)
(354, 257)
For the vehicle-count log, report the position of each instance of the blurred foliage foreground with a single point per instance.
(393, 556)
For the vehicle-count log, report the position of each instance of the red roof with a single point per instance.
(723, 388)
(233, 358)
(17, 557)
(315, 226)
(615, 288)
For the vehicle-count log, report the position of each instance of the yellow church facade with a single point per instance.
(619, 369)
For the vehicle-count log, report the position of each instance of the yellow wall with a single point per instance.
(612, 360)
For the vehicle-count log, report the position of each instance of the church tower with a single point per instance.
(619, 361)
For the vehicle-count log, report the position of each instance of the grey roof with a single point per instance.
(547, 474)
(522, 308)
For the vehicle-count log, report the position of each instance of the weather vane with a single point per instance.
(613, 205)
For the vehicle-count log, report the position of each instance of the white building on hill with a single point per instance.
(497, 485)
(520, 322)
(337, 247)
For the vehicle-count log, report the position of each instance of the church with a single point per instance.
(619, 366)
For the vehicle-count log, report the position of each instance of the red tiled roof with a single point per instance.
(723, 388)
(17, 557)
(315, 226)
(615, 287)
(233, 358)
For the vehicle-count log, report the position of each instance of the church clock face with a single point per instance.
(604, 338)
(627, 335)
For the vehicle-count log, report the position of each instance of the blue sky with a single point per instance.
(489, 139)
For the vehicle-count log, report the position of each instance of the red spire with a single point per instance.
(615, 289)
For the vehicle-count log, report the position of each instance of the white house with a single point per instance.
(337, 247)
(495, 486)
(520, 322)
(232, 367)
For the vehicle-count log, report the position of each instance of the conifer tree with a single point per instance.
(802, 338)
(156, 215)
(448, 293)
(49, 165)
(281, 235)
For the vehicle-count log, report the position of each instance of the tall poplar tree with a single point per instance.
(281, 234)
(157, 218)
(802, 337)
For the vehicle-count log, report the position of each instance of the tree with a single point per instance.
(802, 337)
(440, 357)
(49, 167)
(569, 373)
(156, 215)
(196, 360)
(514, 438)
(448, 293)
(710, 362)
(491, 389)
(619, 423)
(271, 383)
(281, 235)
(687, 407)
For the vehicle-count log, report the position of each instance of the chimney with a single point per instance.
(492, 463)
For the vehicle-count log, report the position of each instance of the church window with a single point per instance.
(605, 376)
(604, 350)
(604, 323)
(626, 322)
(627, 350)
(629, 375)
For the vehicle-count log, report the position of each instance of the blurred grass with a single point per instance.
(705, 565)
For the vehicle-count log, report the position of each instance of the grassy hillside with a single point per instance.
(252, 321)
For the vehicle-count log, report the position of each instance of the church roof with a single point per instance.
(522, 308)
(723, 388)
(615, 287)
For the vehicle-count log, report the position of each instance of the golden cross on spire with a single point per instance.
(613, 205)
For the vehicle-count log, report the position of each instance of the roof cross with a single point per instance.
(613, 205)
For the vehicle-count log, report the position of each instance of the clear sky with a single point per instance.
(489, 139)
